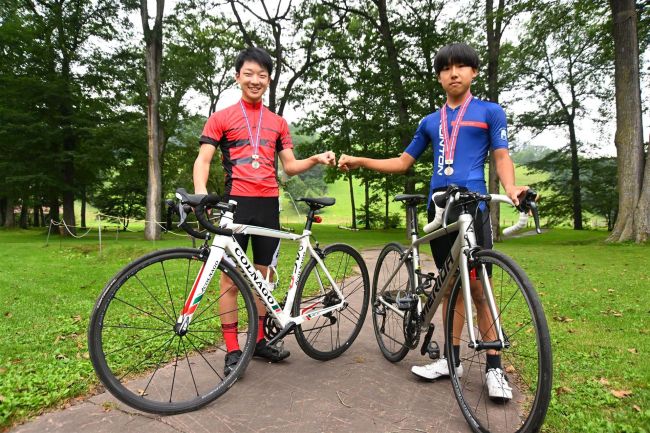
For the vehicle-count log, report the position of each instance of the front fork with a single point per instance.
(214, 255)
(468, 251)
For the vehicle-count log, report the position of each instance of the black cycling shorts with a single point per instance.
(441, 246)
(262, 212)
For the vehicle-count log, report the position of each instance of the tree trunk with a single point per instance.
(354, 210)
(37, 215)
(386, 203)
(10, 219)
(3, 210)
(83, 206)
(494, 22)
(395, 73)
(633, 184)
(154, 42)
(366, 205)
(69, 146)
(53, 214)
(642, 212)
(24, 216)
(576, 196)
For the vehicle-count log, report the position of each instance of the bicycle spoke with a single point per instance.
(139, 343)
(171, 391)
(169, 291)
(189, 367)
(214, 317)
(143, 328)
(135, 367)
(143, 311)
(144, 391)
(154, 298)
(197, 316)
(204, 358)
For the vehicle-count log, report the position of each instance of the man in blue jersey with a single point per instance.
(462, 133)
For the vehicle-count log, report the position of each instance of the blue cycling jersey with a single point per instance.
(482, 128)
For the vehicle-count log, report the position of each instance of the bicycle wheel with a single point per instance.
(526, 359)
(329, 335)
(389, 322)
(139, 356)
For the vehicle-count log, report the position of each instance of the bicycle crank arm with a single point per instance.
(283, 333)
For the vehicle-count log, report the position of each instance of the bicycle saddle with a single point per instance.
(411, 198)
(317, 203)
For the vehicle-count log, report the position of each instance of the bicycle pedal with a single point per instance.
(433, 350)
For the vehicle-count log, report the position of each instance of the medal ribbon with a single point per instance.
(255, 144)
(450, 143)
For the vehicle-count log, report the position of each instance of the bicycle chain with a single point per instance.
(412, 328)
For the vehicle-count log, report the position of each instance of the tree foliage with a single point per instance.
(73, 81)
(598, 179)
(564, 69)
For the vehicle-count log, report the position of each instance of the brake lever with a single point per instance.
(535, 212)
(529, 203)
(183, 211)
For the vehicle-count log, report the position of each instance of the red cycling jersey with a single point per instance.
(227, 129)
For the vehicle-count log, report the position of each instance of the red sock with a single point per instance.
(230, 336)
(260, 328)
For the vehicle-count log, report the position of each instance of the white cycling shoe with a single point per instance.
(435, 370)
(497, 384)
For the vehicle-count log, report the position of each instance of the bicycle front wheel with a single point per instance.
(525, 359)
(139, 356)
(329, 335)
(392, 278)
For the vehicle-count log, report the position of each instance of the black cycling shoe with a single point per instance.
(270, 353)
(232, 359)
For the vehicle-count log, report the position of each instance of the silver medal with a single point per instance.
(255, 164)
(449, 171)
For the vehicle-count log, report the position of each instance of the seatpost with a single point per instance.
(310, 219)
(412, 215)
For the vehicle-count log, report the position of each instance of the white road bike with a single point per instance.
(155, 335)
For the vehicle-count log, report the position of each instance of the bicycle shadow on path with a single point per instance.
(358, 392)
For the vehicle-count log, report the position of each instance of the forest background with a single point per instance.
(102, 102)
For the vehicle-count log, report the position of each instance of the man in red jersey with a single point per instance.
(249, 135)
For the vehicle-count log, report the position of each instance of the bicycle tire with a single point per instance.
(136, 352)
(328, 336)
(526, 360)
(388, 325)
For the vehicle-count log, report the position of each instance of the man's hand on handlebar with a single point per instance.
(516, 193)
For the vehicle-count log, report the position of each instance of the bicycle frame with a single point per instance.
(226, 244)
(455, 264)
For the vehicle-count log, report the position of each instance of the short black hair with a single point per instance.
(454, 54)
(257, 55)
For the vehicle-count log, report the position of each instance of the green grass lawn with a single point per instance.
(595, 295)
(340, 214)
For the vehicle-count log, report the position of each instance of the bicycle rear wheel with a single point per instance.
(526, 359)
(139, 356)
(387, 321)
(329, 335)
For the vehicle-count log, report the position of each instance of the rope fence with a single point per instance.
(103, 224)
